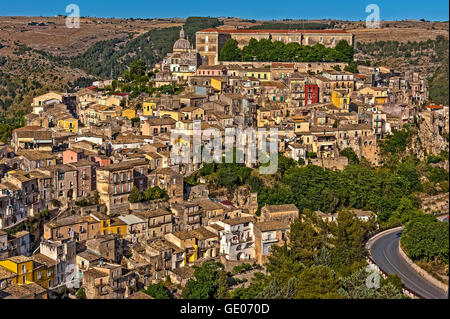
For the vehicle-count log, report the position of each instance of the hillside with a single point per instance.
(39, 53)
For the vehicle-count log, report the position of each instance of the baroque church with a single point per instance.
(184, 58)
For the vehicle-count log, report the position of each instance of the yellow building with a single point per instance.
(176, 115)
(188, 242)
(129, 113)
(380, 94)
(219, 83)
(148, 107)
(193, 113)
(262, 74)
(69, 124)
(44, 270)
(110, 101)
(98, 113)
(341, 99)
(301, 124)
(20, 265)
(113, 226)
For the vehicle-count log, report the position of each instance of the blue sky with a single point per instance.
(435, 10)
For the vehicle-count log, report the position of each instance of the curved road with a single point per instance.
(384, 251)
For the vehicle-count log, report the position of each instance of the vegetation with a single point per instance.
(8, 125)
(266, 50)
(351, 155)
(158, 291)
(313, 265)
(207, 282)
(110, 58)
(151, 193)
(426, 239)
(81, 294)
(430, 56)
(194, 24)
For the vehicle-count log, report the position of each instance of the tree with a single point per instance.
(317, 282)
(346, 50)
(355, 287)
(230, 51)
(222, 290)
(426, 239)
(352, 67)
(349, 239)
(275, 290)
(81, 294)
(206, 283)
(56, 203)
(135, 196)
(351, 155)
(158, 291)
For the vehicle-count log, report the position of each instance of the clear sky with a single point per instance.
(434, 10)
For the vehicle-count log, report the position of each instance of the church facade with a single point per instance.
(183, 61)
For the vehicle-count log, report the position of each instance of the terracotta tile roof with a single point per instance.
(251, 31)
(271, 225)
(281, 208)
(184, 272)
(16, 291)
(6, 273)
(239, 220)
(44, 260)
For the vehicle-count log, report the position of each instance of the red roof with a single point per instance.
(92, 88)
(121, 94)
(227, 203)
(283, 65)
(435, 107)
(271, 31)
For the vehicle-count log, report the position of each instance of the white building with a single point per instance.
(237, 241)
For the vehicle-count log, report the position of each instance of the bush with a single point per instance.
(426, 239)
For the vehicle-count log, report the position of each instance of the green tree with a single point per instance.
(206, 283)
(426, 239)
(135, 195)
(222, 290)
(158, 291)
(346, 50)
(317, 282)
(230, 51)
(81, 294)
(351, 155)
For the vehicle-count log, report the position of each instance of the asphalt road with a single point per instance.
(385, 253)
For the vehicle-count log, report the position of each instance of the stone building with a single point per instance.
(115, 182)
(283, 213)
(211, 41)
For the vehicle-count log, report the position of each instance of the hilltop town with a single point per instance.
(94, 205)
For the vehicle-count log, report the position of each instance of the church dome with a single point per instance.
(181, 44)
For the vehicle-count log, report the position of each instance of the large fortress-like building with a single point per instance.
(211, 41)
